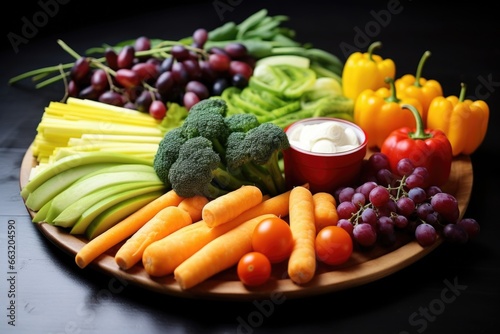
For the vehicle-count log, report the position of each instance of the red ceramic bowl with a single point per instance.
(324, 172)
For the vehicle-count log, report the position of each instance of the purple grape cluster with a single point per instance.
(146, 77)
(388, 202)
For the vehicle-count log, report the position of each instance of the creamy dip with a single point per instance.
(323, 137)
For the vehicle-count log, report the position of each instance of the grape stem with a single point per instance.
(400, 192)
(162, 49)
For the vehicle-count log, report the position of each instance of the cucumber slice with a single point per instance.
(294, 60)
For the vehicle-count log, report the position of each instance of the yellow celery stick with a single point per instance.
(120, 138)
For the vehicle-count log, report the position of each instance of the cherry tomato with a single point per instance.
(254, 269)
(333, 245)
(273, 238)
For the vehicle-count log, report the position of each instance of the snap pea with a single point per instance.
(256, 48)
(250, 22)
(324, 58)
(225, 32)
(282, 40)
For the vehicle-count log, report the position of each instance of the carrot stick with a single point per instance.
(218, 255)
(162, 224)
(163, 256)
(325, 210)
(124, 228)
(194, 205)
(226, 207)
(302, 261)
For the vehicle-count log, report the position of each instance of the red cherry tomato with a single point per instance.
(333, 245)
(254, 269)
(273, 238)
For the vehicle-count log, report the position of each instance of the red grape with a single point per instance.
(126, 57)
(99, 80)
(471, 226)
(455, 233)
(219, 62)
(364, 234)
(142, 43)
(198, 88)
(190, 99)
(112, 98)
(447, 206)
(127, 78)
(425, 234)
(157, 109)
(80, 69)
(379, 196)
(200, 37)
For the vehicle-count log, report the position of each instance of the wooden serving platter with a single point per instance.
(363, 267)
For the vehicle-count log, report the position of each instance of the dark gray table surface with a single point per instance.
(455, 289)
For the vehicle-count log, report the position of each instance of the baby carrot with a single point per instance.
(325, 210)
(162, 224)
(302, 261)
(163, 256)
(124, 229)
(226, 207)
(194, 205)
(218, 255)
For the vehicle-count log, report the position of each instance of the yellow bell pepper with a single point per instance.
(379, 112)
(366, 71)
(418, 87)
(464, 121)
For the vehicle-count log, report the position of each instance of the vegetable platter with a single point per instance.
(362, 268)
(161, 85)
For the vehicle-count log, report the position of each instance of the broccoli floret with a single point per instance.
(198, 171)
(167, 153)
(242, 122)
(258, 152)
(239, 161)
(268, 142)
(211, 154)
(207, 119)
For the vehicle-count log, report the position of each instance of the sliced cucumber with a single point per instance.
(298, 61)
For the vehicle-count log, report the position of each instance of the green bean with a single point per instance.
(250, 22)
(224, 32)
(323, 56)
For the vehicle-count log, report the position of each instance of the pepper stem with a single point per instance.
(421, 63)
(372, 47)
(461, 98)
(419, 132)
(393, 97)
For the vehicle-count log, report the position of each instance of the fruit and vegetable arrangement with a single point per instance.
(171, 152)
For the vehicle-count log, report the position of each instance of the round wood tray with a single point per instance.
(362, 268)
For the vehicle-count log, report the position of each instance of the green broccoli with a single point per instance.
(268, 142)
(239, 161)
(167, 153)
(257, 152)
(211, 154)
(241, 122)
(206, 119)
(198, 171)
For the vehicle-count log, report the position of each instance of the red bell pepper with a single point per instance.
(429, 148)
